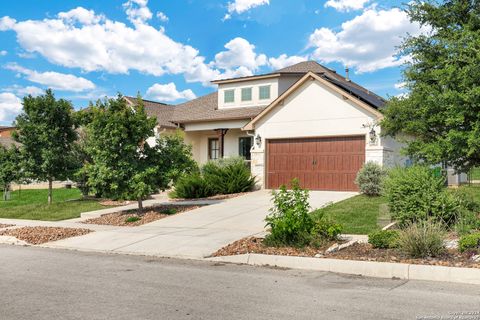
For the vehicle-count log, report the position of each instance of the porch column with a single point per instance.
(221, 135)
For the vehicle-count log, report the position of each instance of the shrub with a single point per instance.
(169, 211)
(370, 178)
(422, 240)
(230, 175)
(416, 194)
(289, 220)
(192, 186)
(132, 219)
(383, 239)
(469, 242)
(292, 224)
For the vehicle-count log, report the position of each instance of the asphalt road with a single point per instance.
(37, 283)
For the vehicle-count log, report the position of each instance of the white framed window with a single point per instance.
(246, 94)
(264, 92)
(229, 96)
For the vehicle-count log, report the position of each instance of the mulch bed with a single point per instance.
(216, 197)
(365, 252)
(151, 214)
(358, 251)
(3, 226)
(255, 245)
(39, 235)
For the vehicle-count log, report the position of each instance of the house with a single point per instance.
(304, 121)
(6, 132)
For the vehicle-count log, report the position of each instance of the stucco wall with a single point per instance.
(237, 86)
(315, 110)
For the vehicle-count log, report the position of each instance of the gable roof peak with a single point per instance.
(304, 67)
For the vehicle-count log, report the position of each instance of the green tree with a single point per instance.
(46, 130)
(10, 170)
(440, 114)
(124, 165)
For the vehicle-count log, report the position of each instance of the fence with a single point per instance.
(473, 176)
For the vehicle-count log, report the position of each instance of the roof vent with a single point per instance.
(346, 73)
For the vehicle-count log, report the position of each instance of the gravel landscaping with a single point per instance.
(365, 252)
(39, 235)
(357, 251)
(255, 245)
(132, 219)
(215, 197)
(3, 226)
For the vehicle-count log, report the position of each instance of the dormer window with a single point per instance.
(264, 92)
(246, 94)
(229, 96)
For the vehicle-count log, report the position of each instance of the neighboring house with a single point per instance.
(6, 139)
(6, 132)
(304, 121)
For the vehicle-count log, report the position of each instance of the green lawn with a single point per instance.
(362, 214)
(32, 204)
(359, 214)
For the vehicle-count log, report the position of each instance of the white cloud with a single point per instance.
(81, 15)
(10, 106)
(162, 16)
(92, 42)
(240, 58)
(54, 80)
(367, 42)
(137, 11)
(284, 61)
(23, 91)
(168, 92)
(6, 23)
(3, 53)
(346, 5)
(400, 86)
(241, 6)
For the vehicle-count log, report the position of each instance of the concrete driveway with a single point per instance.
(194, 234)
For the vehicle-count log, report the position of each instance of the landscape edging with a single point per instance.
(364, 268)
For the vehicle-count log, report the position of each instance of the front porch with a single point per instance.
(216, 141)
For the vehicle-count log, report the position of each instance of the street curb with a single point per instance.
(362, 268)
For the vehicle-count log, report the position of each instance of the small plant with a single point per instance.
(383, 239)
(192, 186)
(230, 175)
(169, 211)
(289, 220)
(469, 242)
(132, 219)
(370, 178)
(422, 240)
(324, 229)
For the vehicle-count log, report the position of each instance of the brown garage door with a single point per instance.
(329, 163)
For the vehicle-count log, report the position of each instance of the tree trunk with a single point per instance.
(140, 206)
(49, 191)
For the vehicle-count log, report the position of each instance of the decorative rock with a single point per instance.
(337, 247)
(12, 240)
(476, 258)
(451, 244)
(319, 255)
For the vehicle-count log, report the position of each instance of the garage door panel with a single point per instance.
(319, 163)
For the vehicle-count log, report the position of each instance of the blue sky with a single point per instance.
(170, 50)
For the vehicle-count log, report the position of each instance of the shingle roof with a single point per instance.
(7, 142)
(162, 111)
(304, 67)
(205, 108)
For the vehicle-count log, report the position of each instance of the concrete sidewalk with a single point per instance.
(194, 234)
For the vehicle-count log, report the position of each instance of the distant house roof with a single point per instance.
(162, 111)
(206, 109)
(2, 128)
(7, 142)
